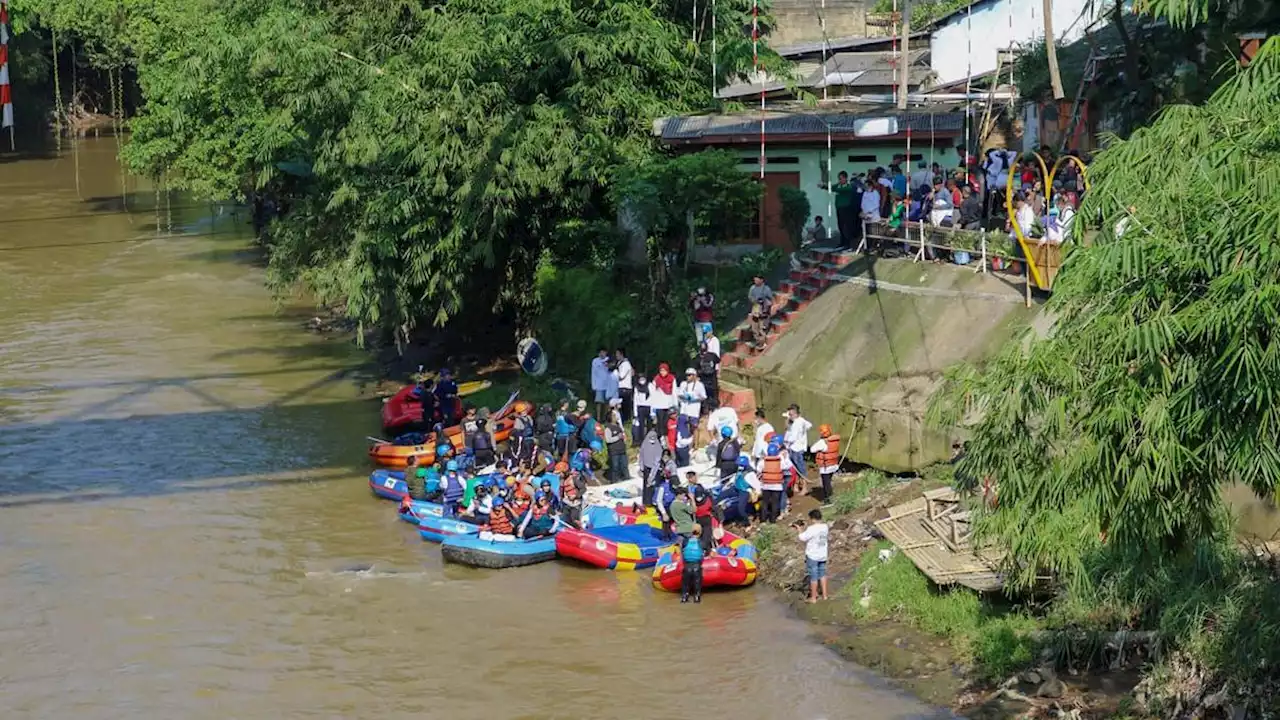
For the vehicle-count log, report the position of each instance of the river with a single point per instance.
(183, 508)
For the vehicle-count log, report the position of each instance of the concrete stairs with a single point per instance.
(817, 271)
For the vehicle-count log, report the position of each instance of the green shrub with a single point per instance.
(854, 496)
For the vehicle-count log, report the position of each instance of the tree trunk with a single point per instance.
(1051, 49)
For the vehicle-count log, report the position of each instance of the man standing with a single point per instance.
(921, 177)
(600, 379)
(763, 430)
(709, 374)
(871, 201)
(848, 201)
(797, 442)
(760, 297)
(691, 394)
(626, 383)
(702, 305)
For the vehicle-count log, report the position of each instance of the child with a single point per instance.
(691, 579)
(814, 538)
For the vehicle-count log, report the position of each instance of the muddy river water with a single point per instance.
(184, 508)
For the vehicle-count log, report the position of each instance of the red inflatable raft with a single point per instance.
(731, 564)
(403, 413)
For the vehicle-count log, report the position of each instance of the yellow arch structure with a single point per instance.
(1037, 276)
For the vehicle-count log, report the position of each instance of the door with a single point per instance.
(772, 232)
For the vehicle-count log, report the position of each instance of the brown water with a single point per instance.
(183, 500)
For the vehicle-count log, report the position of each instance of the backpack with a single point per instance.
(706, 364)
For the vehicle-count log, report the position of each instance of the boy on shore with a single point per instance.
(691, 577)
(814, 538)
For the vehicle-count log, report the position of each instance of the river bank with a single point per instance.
(938, 667)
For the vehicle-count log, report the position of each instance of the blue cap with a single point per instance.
(726, 431)
(744, 462)
(497, 501)
(452, 466)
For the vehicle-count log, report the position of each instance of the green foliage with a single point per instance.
(665, 192)
(855, 495)
(923, 11)
(761, 263)
(795, 211)
(767, 539)
(995, 638)
(1158, 381)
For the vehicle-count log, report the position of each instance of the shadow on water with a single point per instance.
(182, 452)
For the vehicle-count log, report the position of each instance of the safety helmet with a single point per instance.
(539, 495)
(774, 448)
(702, 291)
(443, 450)
(824, 430)
(772, 437)
(452, 466)
(562, 467)
(744, 462)
(497, 501)
(726, 432)
(545, 483)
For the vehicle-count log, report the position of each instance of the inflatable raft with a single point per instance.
(433, 526)
(733, 564)
(395, 456)
(487, 550)
(403, 413)
(621, 547)
(389, 484)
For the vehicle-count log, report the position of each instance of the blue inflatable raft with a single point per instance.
(486, 550)
(388, 484)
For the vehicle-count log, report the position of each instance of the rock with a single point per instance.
(865, 601)
(899, 643)
(1051, 688)
(1031, 677)
(886, 554)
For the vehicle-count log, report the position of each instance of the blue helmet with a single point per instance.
(443, 450)
(452, 466)
(539, 495)
(774, 448)
(497, 501)
(744, 462)
(726, 432)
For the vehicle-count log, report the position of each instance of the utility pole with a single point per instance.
(904, 78)
(1055, 77)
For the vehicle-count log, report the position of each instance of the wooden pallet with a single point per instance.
(934, 532)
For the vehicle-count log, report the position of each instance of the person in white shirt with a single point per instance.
(713, 346)
(920, 177)
(626, 382)
(600, 379)
(690, 394)
(763, 431)
(815, 539)
(871, 204)
(1024, 216)
(723, 417)
(796, 441)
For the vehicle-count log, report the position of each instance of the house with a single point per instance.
(853, 65)
(802, 20)
(795, 141)
(965, 43)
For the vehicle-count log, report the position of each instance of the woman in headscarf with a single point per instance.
(663, 393)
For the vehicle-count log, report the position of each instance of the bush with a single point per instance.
(853, 497)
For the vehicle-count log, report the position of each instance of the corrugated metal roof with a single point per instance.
(863, 69)
(693, 127)
(837, 44)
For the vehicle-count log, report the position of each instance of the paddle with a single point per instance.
(377, 441)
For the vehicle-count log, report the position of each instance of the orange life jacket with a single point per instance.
(500, 521)
(831, 456)
(772, 472)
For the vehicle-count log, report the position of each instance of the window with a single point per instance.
(863, 159)
(784, 160)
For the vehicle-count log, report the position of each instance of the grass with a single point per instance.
(992, 637)
(855, 495)
(767, 539)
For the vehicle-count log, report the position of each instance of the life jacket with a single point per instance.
(831, 456)
(481, 442)
(453, 486)
(771, 474)
(587, 433)
(703, 509)
(500, 521)
(564, 426)
(707, 364)
(692, 551)
(544, 423)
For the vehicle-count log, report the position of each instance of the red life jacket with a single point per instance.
(703, 509)
(500, 522)
(771, 474)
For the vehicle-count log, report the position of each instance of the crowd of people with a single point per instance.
(970, 196)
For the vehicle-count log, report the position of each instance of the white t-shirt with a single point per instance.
(691, 395)
(723, 417)
(814, 538)
(797, 437)
(763, 431)
(624, 374)
(871, 205)
(659, 400)
(713, 345)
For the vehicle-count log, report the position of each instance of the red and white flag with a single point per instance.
(6, 102)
